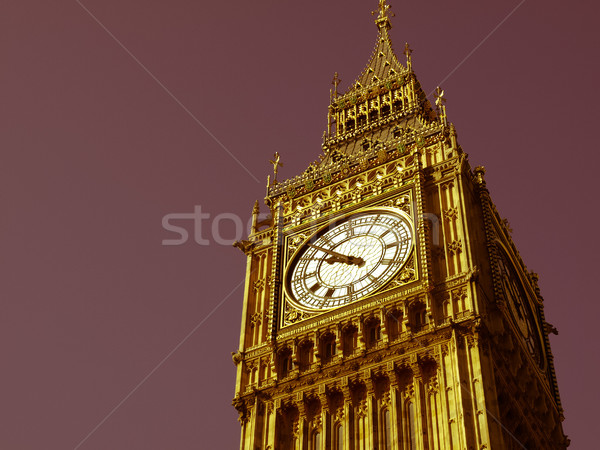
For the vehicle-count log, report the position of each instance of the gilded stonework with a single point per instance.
(386, 305)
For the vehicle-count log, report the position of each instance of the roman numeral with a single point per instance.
(329, 292)
(315, 287)
(387, 261)
(393, 244)
(325, 240)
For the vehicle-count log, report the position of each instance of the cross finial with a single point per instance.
(383, 16)
(383, 10)
(336, 81)
(276, 166)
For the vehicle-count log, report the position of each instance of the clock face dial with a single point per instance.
(519, 308)
(349, 260)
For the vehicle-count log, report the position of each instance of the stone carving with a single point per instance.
(258, 285)
(295, 242)
(256, 319)
(455, 247)
(361, 410)
(236, 357)
(450, 214)
(293, 315)
(385, 399)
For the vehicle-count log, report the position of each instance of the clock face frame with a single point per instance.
(349, 259)
(519, 308)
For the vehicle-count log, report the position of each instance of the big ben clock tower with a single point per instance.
(385, 305)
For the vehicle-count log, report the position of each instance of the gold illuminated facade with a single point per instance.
(386, 306)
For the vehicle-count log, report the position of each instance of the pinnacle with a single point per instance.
(383, 63)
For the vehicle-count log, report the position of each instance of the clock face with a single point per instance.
(519, 309)
(349, 259)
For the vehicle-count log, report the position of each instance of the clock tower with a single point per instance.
(385, 305)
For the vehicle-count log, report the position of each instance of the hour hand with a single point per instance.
(334, 259)
(338, 257)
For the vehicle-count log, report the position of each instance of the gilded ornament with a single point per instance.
(309, 184)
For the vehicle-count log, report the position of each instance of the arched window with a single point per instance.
(394, 319)
(387, 430)
(419, 317)
(327, 348)
(373, 115)
(316, 441)
(385, 110)
(339, 439)
(350, 339)
(412, 438)
(362, 120)
(373, 332)
(284, 363)
(305, 355)
(361, 433)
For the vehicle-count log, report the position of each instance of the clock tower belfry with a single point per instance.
(386, 306)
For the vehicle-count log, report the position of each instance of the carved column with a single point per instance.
(270, 417)
(383, 321)
(250, 427)
(419, 408)
(361, 334)
(395, 417)
(348, 415)
(371, 413)
(325, 418)
(302, 437)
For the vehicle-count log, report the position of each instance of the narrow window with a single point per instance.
(316, 441)
(373, 333)
(362, 120)
(393, 324)
(385, 110)
(350, 338)
(328, 348)
(361, 433)
(305, 351)
(285, 364)
(340, 438)
(411, 426)
(387, 428)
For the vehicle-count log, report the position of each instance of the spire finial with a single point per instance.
(408, 52)
(276, 166)
(439, 102)
(336, 81)
(383, 10)
(383, 16)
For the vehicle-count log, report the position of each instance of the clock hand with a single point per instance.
(338, 257)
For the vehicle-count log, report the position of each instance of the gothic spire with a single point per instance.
(383, 63)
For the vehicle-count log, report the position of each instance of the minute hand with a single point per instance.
(342, 258)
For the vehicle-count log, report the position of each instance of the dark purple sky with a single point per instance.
(95, 152)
